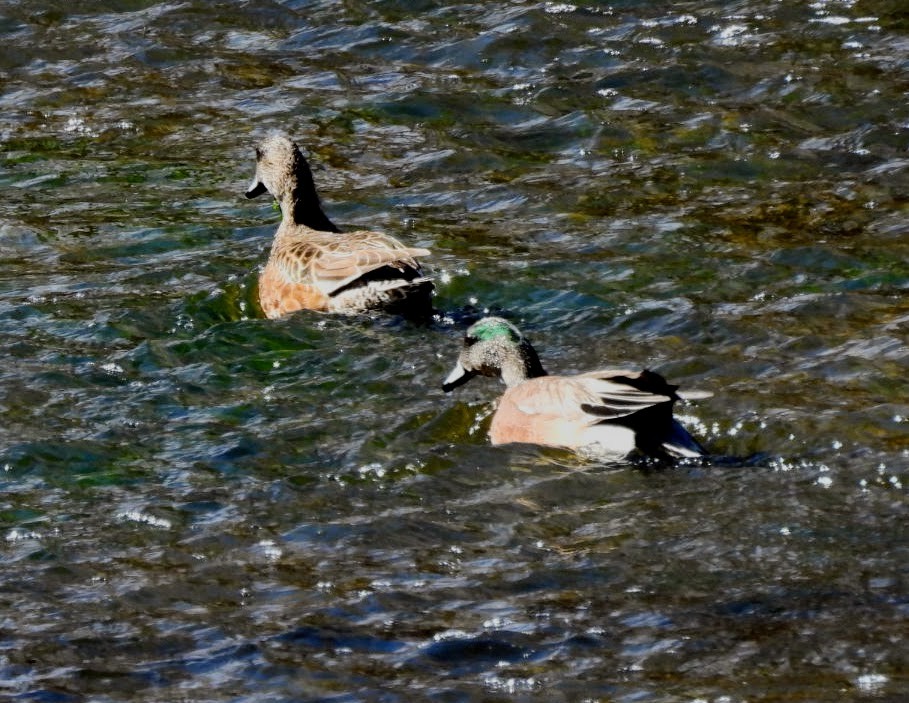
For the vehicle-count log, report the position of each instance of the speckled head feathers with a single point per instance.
(494, 347)
(282, 170)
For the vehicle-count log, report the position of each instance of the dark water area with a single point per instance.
(199, 504)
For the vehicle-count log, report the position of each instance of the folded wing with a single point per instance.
(331, 263)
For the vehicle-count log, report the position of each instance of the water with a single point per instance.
(200, 504)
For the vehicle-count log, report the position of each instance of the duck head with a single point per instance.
(284, 172)
(494, 347)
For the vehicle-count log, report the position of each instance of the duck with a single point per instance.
(313, 265)
(606, 414)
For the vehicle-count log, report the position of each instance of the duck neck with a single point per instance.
(522, 366)
(304, 209)
(300, 201)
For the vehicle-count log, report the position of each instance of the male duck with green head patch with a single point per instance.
(608, 414)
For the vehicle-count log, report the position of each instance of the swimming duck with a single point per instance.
(607, 414)
(313, 265)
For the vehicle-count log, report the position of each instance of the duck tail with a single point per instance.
(679, 443)
(411, 299)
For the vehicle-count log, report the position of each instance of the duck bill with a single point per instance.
(458, 377)
(256, 188)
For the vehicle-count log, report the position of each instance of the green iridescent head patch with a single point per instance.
(493, 328)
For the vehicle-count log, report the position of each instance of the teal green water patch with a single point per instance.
(892, 280)
(232, 301)
(483, 292)
(15, 156)
(442, 110)
(130, 252)
(457, 423)
(255, 342)
(21, 516)
(65, 464)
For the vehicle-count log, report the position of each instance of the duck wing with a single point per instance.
(610, 395)
(602, 394)
(332, 261)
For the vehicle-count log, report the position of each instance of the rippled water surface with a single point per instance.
(200, 504)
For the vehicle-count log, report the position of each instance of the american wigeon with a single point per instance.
(607, 414)
(313, 265)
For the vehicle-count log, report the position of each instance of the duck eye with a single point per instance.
(470, 340)
(258, 154)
